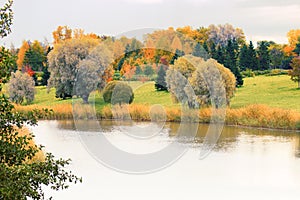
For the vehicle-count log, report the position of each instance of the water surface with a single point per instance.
(245, 163)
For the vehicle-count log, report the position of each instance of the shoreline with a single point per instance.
(253, 116)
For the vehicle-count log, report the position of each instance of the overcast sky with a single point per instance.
(260, 19)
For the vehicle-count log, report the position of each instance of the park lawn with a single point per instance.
(144, 93)
(274, 91)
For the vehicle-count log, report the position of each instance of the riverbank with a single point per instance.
(263, 101)
(253, 115)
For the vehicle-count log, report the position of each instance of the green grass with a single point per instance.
(274, 91)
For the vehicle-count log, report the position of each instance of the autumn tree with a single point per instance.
(185, 66)
(128, 71)
(64, 62)
(221, 34)
(293, 36)
(21, 87)
(21, 55)
(35, 56)
(62, 33)
(91, 72)
(213, 83)
(295, 71)
(177, 79)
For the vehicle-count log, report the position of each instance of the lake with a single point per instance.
(244, 164)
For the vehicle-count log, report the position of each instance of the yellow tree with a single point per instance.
(128, 71)
(149, 50)
(118, 49)
(176, 44)
(21, 55)
(293, 36)
(62, 33)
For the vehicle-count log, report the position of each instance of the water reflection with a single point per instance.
(245, 164)
(230, 138)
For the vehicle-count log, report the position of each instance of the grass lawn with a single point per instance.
(274, 91)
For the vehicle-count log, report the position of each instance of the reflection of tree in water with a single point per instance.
(297, 144)
(229, 139)
(86, 125)
(226, 141)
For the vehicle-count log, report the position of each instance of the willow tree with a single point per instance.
(64, 62)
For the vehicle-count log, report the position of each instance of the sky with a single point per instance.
(259, 19)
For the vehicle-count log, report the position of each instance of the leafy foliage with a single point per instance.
(117, 92)
(64, 61)
(6, 19)
(21, 177)
(263, 55)
(160, 83)
(212, 82)
(6, 65)
(295, 72)
(91, 71)
(21, 87)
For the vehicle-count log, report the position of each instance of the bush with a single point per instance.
(248, 73)
(117, 92)
(276, 72)
(20, 87)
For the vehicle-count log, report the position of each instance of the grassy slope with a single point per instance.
(275, 91)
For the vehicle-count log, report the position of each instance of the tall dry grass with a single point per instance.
(252, 115)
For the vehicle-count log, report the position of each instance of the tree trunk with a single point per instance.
(85, 99)
(299, 84)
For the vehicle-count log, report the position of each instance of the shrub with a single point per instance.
(276, 72)
(248, 73)
(117, 92)
(20, 87)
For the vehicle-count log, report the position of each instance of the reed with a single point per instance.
(256, 115)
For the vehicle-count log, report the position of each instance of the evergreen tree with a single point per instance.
(46, 76)
(220, 55)
(160, 83)
(263, 55)
(178, 53)
(252, 57)
(244, 58)
(213, 51)
(148, 71)
(138, 70)
(230, 61)
(199, 51)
